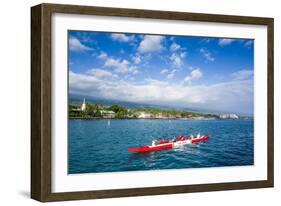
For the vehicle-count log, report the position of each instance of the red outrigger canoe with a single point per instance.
(168, 144)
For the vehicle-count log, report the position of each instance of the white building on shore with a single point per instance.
(229, 116)
(144, 115)
(83, 106)
(107, 114)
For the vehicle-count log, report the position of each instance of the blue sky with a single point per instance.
(213, 74)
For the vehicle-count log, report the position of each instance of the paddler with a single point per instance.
(180, 138)
(191, 136)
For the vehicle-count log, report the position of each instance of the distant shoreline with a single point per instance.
(96, 111)
(187, 119)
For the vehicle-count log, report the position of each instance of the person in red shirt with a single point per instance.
(180, 138)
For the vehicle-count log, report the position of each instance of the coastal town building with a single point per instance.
(83, 106)
(144, 115)
(107, 114)
(229, 116)
(198, 118)
(160, 116)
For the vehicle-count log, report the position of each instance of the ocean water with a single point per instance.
(96, 146)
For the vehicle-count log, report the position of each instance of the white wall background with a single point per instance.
(15, 102)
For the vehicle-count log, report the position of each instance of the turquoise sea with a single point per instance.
(100, 146)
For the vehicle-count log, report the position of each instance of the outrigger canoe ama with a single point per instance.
(168, 144)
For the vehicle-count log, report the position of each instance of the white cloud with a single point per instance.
(135, 71)
(176, 60)
(151, 43)
(194, 75)
(149, 81)
(122, 37)
(171, 74)
(234, 96)
(136, 59)
(243, 74)
(174, 47)
(224, 42)
(182, 54)
(76, 45)
(82, 83)
(100, 73)
(102, 55)
(164, 71)
(120, 66)
(177, 55)
(207, 55)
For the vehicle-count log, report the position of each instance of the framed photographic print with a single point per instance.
(132, 102)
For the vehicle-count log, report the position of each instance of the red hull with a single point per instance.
(152, 148)
(206, 137)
